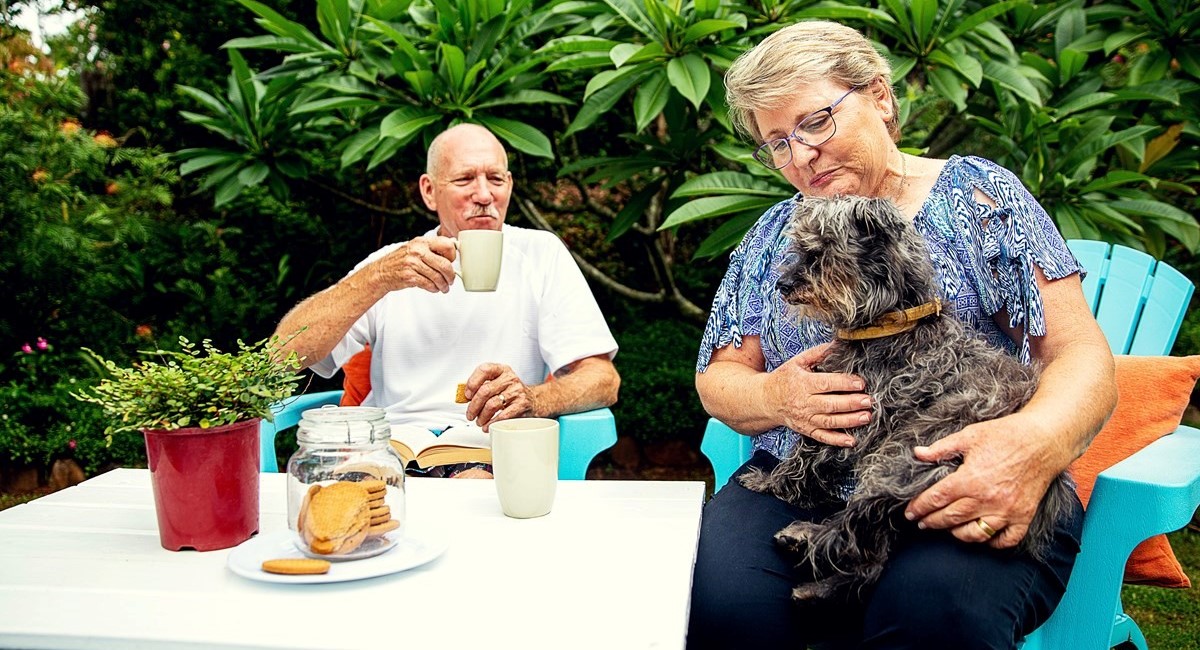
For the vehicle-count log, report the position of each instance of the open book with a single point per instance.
(460, 444)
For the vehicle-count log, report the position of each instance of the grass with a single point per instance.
(1170, 618)
(10, 500)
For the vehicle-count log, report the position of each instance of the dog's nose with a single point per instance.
(783, 286)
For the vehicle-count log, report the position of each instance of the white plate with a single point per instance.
(410, 551)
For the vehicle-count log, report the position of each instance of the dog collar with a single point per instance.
(893, 322)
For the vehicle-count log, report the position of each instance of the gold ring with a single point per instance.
(987, 530)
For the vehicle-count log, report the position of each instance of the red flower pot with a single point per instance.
(205, 485)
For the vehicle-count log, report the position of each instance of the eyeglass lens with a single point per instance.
(813, 131)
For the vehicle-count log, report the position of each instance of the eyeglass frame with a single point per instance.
(792, 136)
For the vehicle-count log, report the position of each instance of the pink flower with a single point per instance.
(71, 444)
(42, 344)
(27, 349)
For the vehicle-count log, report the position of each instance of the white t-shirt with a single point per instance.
(541, 318)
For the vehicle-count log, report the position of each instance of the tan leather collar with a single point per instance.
(893, 322)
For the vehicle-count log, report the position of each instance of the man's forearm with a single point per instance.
(587, 384)
(325, 317)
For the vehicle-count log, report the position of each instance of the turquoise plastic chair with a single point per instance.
(1139, 304)
(580, 435)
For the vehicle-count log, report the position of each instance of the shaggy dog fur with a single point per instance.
(857, 259)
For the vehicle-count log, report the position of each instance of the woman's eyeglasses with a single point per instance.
(813, 131)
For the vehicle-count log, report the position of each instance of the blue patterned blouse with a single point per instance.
(983, 257)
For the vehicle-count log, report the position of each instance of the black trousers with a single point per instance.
(936, 592)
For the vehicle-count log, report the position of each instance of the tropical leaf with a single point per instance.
(715, 206)
(689, 75)
(520, 135)
(650, 99)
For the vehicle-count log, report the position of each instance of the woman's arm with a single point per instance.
(1008, 463)
(737, 390)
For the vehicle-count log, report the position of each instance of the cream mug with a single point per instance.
(525, 465)
(479, 255)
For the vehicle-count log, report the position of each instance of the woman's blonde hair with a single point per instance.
(766, 75)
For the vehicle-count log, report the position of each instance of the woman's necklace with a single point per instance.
(903, 178)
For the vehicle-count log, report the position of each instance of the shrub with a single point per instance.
(657, 362)
(40, 421)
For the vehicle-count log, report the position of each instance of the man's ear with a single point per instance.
(427, 195)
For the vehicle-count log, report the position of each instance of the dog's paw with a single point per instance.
(811, 592)
(797, 536)
(757, 480)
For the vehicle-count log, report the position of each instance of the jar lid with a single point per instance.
(344, 424)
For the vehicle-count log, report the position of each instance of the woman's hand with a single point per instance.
(496, 393)
(1002, 479)
(738, 391)
(819, 405)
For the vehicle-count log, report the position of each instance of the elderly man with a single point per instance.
(427, 334)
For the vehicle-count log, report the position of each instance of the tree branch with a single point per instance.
(531, 212)
(396, 212)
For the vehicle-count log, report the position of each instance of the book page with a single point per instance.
(415, 443)
(409, 440)
(467, 435)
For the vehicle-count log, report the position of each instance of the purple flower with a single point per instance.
(27, 349)
(42, 344)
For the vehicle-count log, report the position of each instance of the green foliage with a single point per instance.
(1106, 142)
(378, 76)
(657, 364)
(195, 388)
(76, 205)
(133, 53)
(40, 421)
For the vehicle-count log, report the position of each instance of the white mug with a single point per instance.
(525, 465)
(479, 256)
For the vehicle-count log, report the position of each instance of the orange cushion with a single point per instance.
(1152, 395)
(357, 378)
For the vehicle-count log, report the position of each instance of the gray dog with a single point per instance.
(860, 267)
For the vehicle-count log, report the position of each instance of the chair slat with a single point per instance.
(1162, 315)
(1120, 306)
(1093, 255)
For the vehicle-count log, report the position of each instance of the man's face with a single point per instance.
(471, 184)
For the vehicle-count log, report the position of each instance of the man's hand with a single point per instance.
(819, 404)
(423, 262)
(496, 393)
(1002, 479)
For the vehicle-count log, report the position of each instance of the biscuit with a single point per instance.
(300, 520)
(349, 544)
(386, 527)
(379, 519)
(375, 487)
(337, 515)
(296, 566)
(460, 396)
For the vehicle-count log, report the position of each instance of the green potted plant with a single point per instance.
(199, 410)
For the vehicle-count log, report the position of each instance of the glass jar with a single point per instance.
(329, 517)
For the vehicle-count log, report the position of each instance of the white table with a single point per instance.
(610, 567)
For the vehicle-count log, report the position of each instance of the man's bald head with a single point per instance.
(446, 140)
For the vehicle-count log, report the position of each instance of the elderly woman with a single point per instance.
(817, 98)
